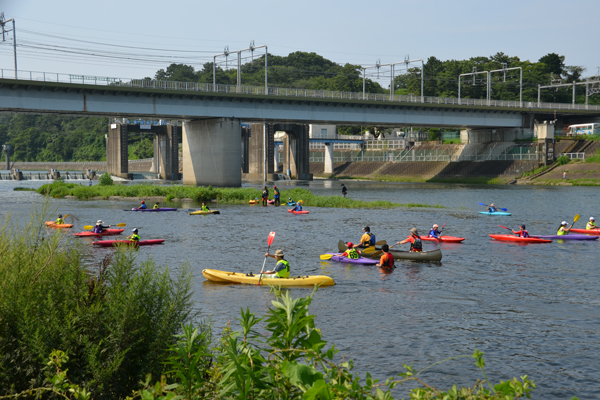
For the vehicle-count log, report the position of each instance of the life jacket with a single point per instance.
(387, 262)
(524, 233)
(205, 208)
(352, 253)
(60, 221)
(156, 207)
(135, 237)
(434, 233)
(561, 231)
(591, 225)
(276, 193)
(416, 244)
(298, 207)
(143, 206)
(97, 229)
(284, 273)
(372, 239)
(265, 194)
(492, 209)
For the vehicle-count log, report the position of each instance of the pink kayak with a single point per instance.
(446, 239)
(297, 212)
(106, 232)
(513, 238)
(110, 243)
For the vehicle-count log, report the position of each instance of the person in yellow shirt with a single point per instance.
(563, 230)
(367, 239)
(591, 225)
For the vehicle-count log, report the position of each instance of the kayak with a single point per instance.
(433, 255)
(494, 213)
(585, 231)
(106, 232)
(447, 239)
(253, 201)
(53, 224)
(200, 212)
(512, 238)
(215, 275)
(270, 201)
(359, 260)
(292, 203)
(155, 209)
(110, 243)
(567, 237)
(297, 212)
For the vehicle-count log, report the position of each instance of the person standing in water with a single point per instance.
(344, 190)
(265, 196)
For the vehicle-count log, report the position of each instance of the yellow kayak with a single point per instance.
(200, 212)
(215, 275)
(253, 201)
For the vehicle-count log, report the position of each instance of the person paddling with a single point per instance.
(99, 227)
(265, 196)
(156, 206)
(134, 237)
(491, 208)
(282, 268)
(415, 241)
(142, 205)
(367, 239)
(276, 196)
(387, 259)
(298, 206)
(290, 202)
(563, 230)
(205, 207)
(434, 232)
(522, 233)
(591, 225)
(351, 252)
(60, 220)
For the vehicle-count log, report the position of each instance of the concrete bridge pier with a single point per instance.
(296, 150)
(328, 158)
(261, 153)
(117, 162)
(211, 152)
(166, 149)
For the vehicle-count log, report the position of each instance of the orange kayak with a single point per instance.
(53, 224)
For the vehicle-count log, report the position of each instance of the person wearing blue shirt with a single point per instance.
(491, 208)
(142, 206)
(299, 205)
(434, 233)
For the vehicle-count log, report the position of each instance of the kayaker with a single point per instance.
(134, 236)
(156, 206)
(522, 233)
(276, 196)
(60, 220)
(434, 233)
(591, 224)
(563, 230)
(99, 227)
(142, 205)
(415, 241)
(291, 202)
(351, 252)
(491, 208)
(367, 239)
(344, 190)
(282, 268)
(265, 196)
(205, 207)
(387, 259)
(298, 206)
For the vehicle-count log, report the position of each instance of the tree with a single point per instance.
(553, 62)
(177, 72)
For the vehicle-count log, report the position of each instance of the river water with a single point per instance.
(533, 309)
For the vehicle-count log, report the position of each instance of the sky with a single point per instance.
(134, 38)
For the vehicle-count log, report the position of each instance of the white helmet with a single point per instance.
(592, 219)
(564, 223)
(99, 222)
(436, 226)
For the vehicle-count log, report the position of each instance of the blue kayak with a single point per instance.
(291, 203)
(494, 213)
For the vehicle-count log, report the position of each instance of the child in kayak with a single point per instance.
(367, 239)
(98, 228)
(298, 206)
(134, 237)
(387, 259)
(522, 233)
(205, 207)
(415, 241)
(563, 230)
(156, 206)
(351, 252)
(434, 233)
(60, 220)
(142, 205)
(282, 268)
(591, 225)
(491, 208)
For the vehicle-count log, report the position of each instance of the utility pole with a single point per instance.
(3, 22)
(251, 49)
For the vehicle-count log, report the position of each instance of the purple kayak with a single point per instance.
(360, 260)
(566, 237)
(154, 209)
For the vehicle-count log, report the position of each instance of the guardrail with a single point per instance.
(284, 92)
(574, 156)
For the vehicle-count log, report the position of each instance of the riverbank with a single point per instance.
(162, 193)
(577, 173)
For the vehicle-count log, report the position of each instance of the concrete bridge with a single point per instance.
(213, 116)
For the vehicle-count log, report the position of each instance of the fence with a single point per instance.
(367, 145)
(574, 156)
(286, 92)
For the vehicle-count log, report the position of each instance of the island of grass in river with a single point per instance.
(60, 189)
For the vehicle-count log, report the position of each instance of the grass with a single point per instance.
(60, 189)
(535, 171)
(474, 180)
(23, 189)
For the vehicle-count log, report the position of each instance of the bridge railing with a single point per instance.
(574, 156)
(285, 92)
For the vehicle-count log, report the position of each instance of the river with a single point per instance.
(533, 309)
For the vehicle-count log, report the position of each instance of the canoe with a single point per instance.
(297, 212)
(584, 231)
(106, 232)
(53, 224)
(498, 213)
(433, 255)
(215, 275)
(567, 237)
(446, 239)
(200, 212)
(110, 243)
(346, 260)
(155, 209)
(513, 238)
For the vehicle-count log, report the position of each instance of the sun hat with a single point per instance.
(99, 222)
(564, 223)
(414, 231)
(592, 219)
(279, 253)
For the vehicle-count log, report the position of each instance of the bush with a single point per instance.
(106, 180)
(562, 160)
(114, 321)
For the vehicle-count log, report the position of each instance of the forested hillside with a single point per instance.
(58, 138)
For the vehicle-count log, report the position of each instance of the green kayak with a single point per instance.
(434, 255)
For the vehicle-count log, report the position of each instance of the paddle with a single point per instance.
(327, 256)
(269, 241)
(441, 231)
(503, 209)
(574, 220)
(88, 227)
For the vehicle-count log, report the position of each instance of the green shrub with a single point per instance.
(562, 160)
(106, 180)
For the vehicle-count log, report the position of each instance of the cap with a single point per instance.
(522, 226)
(134, 230)
(414, 231)
(275, 187)
(99, 222)
(366, 228)
(279, 253)
(350, 245)
(592, 219)
(143, 202)
(564, 223)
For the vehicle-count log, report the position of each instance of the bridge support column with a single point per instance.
(167, 145)
(245, 148)
(211, 152)
(296, 148)
(328, 158)
(117, 163)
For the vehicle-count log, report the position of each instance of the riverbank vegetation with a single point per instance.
(60, 189)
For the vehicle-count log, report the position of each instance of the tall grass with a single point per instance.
(114, 319)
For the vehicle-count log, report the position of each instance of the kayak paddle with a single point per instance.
(440, 231)
(575, 220)
(88, 227)
(327, 256)
(503, 209)
(269, 241)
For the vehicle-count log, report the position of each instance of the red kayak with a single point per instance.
(110, 243)
(512, 238)
(447, 239)
(587, 231)
(106, 232)
(297, 212)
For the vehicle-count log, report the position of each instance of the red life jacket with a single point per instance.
(387, 260)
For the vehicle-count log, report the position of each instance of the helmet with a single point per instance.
(367, 229)
(134, 230)
(143, 202)
(436, 226)
(274, 187)
(59, 215)
(564, 223)
(592, 219)
(99, 222)
(350, 245)
(289, 198)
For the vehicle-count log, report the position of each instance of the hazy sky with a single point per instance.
(68, 36)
